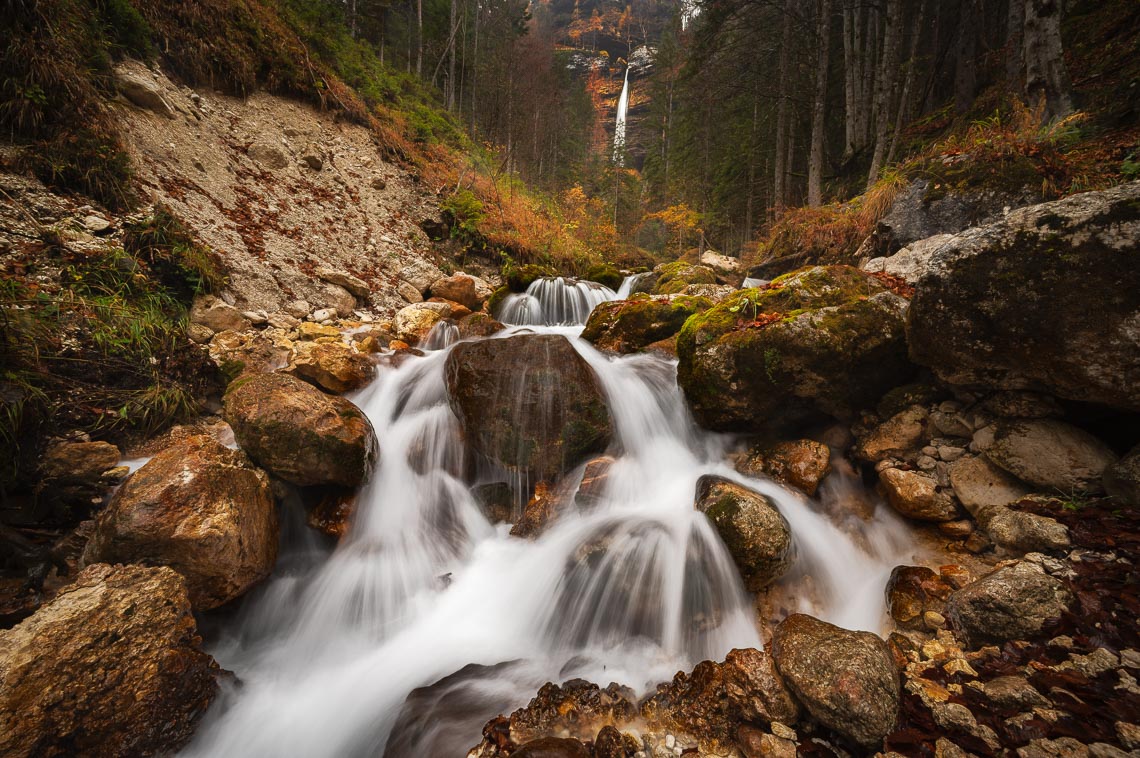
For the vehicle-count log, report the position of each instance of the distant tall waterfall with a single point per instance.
(619, 126)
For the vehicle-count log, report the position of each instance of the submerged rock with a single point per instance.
(846, 680)
(823, 342)
(112, 666)
(199, 508)
(1011, 305)
(298, 432)
(628, 326)
(529, 403)
(756, 535)
(1015, 602)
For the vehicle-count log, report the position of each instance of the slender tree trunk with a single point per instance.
(965, 68)
(454, 31)
(815, 164)
(1047, 82)
(885, 85)
(849, 79)
(419, 38)
(782, 108)
(352, 18)
(908, 83)
(1014, 54)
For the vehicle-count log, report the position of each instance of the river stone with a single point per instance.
(629, 326)
(112, 666)
(298, 432)
(478, 325)
(846, 680)
(1047, 298)
(980, 485)
(529, 403)
(200, 508)
(335, 367)
(986, 491)
(755, 533)
(469, 291)
(716, 698)
(1122, 479)
(1051, 454)
(1015, 602)
(917, 495)
(800, 463)
(900, 436)
(819, 344)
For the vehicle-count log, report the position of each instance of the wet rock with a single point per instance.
(577, 707)
(479, 325)
(1015, 404)
(337, 368)
(628, 326)
(917, 495)
(199, 508)
(900, 436)
(112, 666)
(1006, 306)
(800, 463)
(217, 315)
(846, 680)
(552, 747)
(1051, 455)
(539, 512)
(1121, 480)
(298, 432)
(756, 535)
(716, 698)
(497, 501)
(356, 286)
(914, 591)
(78, 462)
(595, 478)
(817, 344)
(528, 402)
(1018, 601)
(414, 323)
(332, 514)
(469, 291)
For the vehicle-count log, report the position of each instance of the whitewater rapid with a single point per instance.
(631, 590)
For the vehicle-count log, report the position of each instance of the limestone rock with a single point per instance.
(719, 262)
(986, 491)
(421, 274)
(338, 368)
(910, 263)
(627, 326)
(139, 86)
(467, 290)
(298, 432)
(199, 508)
(237, 353)
(409, 292)
(268, 156)
(529, 403)
(1014, 602)
(846, 680)
(112, 666)
(414, 323)
(821, 343)
(981, 486)
(355, 285)
(1010, 305)
(800, 463)
(1051, 454)
(755, 533)
(216, 314)
(917, 495)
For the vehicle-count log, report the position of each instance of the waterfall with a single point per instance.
(619, 125)
(554, 301)
(425, 589)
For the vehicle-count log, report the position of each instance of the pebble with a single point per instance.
(784, 732)
(926, 463)
(670, 741)
(930, 450)
(322, 315)
(933, 620)
(950, 454)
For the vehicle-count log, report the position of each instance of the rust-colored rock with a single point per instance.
(201, 509)
(912, 591)
(800, 463)
(917, 495)
(78, 462)
(578, 706)
(335, 367)
(111, 667)
(470, 291)
(333, 514)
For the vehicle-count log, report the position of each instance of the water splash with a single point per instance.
(554, 301)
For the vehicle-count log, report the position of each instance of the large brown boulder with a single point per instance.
(1015, 602)
(756, 535)
(529, 403)
(298, 432)
(112, 666)
(629, 326)
(1047, 298)
(817, 344)
(78, 462)
(846, 680)
(335, 367)
(201, 509)
(467, 290)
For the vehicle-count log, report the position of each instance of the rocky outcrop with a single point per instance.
(910, 263)
(629, 326)
(1051, 455)
(112, 666)
(199, 508)
(756, 535)
(298, 432)
(469, 291)
(1008, 306)
(800, 463)
(1018, 601)
(335, 367)
(846, 680)
(138, 85)
(529, 403)
(672, 278)
(820, 343)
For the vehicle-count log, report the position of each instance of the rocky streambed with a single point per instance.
(845, 512)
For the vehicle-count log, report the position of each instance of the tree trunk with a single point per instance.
(965, 68)
(419, 38)
(849, 79)
(782, 109)
(1047, 82)
(884, 89)
(815, 166)
(1015, 59)
(908, 83)
(451, 62)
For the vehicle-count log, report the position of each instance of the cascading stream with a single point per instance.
(619, 123)
(632, 589)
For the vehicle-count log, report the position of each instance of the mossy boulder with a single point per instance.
(756, 535)
(518, 278)
(605, 274)
(629, 326)
(1046, 299)
(298, 432)
(529, 403)
(820, 343)
(674, 277)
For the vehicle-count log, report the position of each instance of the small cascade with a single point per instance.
(627, 284)
(554, 302)
(619, 125)
(752, 281)
(443, 334)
